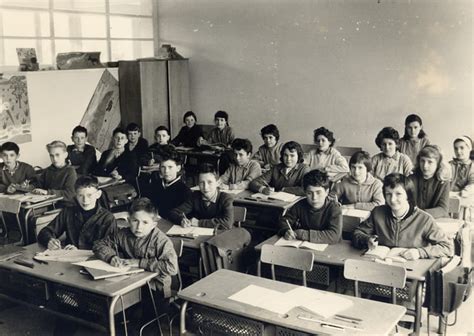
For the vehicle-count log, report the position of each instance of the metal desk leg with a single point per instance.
(25, 225)
(23, 240)
(154, 307)
(418, 303)
(259, 269)
(182, 319)
(112, 315)
(124, 316)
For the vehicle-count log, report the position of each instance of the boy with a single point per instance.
(268, 154)
(81, 155)
(207, 207)
(14, 173)
(222, 134)
(142, 245)
(155, 151)
(136, 144)
(167, 189)
(59, 178)
(84, 223)
(316, 219)
(244, 170)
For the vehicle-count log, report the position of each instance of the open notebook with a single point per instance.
(276, 196)
(384, 253)
(99, 269)
(301, 244)
(192, 231)
(64, 255)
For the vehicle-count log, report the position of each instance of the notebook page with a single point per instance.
(102, 265)
(291, 243)
(313, 246)
(263, 298)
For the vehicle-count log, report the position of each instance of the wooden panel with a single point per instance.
(369, 271)
(179, 101)
(130, 93)
(154, 97)
(287, 257)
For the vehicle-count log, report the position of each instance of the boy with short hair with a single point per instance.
(207, 207)
(14, 173)
(316, 218)
(244, 170)
(268, 154)
(81, 155)
(155, 151)
(142, 245)
(167, 190)
(84, 223)
(136, 143)
(59, 178)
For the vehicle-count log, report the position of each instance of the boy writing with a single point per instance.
(84, 223)
(14, 173)
(207, 207)
(316, 218)
(81, 155)
(243, 171)
(142, 245)
(155, 151)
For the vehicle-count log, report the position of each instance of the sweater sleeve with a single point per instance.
(106, 248)
(54, 229)
(258, 157)
(177, 139)
(67, 192)
(225, 219)
(331, 234)
(290, 217)
(441, 208)
(376, 200)
(468, 190)
(439, 244)
(89, 163)
(407, 165)
(165, 263)
(261, 181)
(340, 164)
(176, 215)
(361, 234)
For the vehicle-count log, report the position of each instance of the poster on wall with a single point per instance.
(15, 121)
(102, 115)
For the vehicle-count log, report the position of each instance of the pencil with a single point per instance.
(289, 226)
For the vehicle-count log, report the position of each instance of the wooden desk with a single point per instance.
(351, 218)
(336, 254)
(164, 225)
(60, 289)
(243, 199)
(465, 204)
(213, 291)
(105, 182)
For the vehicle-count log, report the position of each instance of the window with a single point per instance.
(119, 29)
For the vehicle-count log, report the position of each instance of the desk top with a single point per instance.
(198, 152)
(336, 254)
(68, 274)
(465, 202)
(243, 199)
(29, 200)
(377, 318)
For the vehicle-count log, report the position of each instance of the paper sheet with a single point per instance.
(300, 244)
(104, 179)
(64, 255)
(264, 298)
(276, 196)
(193, 230)
(102, 265)
(233, 192)
(363, 214)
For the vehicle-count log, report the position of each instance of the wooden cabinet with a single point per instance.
(153, 93)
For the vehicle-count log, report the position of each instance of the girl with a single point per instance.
(431, 183)
(390, 160)
(221, 135)
(400, 223)
(325, 157)
(414, 138)
(289, 173)
(268, 154)
(190, 133)
(359, 190)
(462, 168)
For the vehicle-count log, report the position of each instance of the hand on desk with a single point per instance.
(411, 254)
(267, 190)
(70, 247)
(11, 189)
(373, 242)
(115, 174)
(54, 244)
(39, 191)
(290, 235)
(185, 222)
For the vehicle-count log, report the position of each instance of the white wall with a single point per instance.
(352, 66)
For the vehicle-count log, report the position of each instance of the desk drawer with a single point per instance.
(23, 287)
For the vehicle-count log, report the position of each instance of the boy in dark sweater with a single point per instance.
(84, 223)
(167, 190)
(81, 155)
(156, 151)
(14, 173)
(136, 143)
(316, 218)
(207, 207)
(59, 178)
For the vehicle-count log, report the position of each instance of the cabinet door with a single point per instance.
(179, 101)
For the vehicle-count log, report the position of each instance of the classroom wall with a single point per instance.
(352, 66)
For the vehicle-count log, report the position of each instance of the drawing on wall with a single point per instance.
(102, 115)
(27, 59)
(15, 121)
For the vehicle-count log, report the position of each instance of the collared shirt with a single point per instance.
(11, 172)
(383, 165)
(166, 185)
(236, 174)
(330, 161)
(218, 136)
(212, 200)
(462, 176)
(279, 179)
(412, 147)
(268, 155)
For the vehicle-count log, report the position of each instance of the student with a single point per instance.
(268, 154)
(136, 143)
(83, 223)
(325, 156)
(167, 189)
(118, 162)
(462, 169)
(59, 178)
(288, 173)
(400, 223)
(316, 219)
(81, 155)
(390, 160)
(190, 133)
(14, 173)
(207, 207)
(414, 138)
(431, 183)
(142, 245)
(222, 134)
(359, 190)
(244, 170)
(155, 151)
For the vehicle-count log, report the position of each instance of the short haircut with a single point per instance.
(10, 146)
(86, 181)
(361, 157)
(143, 204)
(394, 179)
(408, 120)
(79, 129)
(387, 133)
(162, 128)
(326, 133)
(222, 114)
(168, 152)
(270, 129)
(292, 146)
(133, 127)
(207, 168)
(316, 178)
(56, 144)
(119, 130)
(244, 144)
(190, 114)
